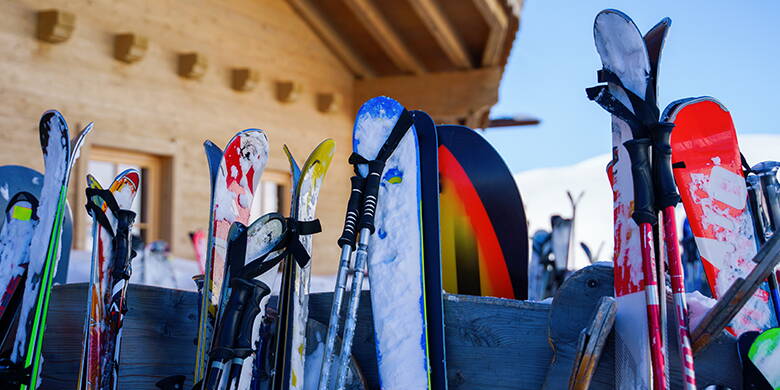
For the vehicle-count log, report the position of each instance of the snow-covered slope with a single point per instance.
(544, 193)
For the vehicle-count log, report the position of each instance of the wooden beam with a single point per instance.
(443, 32)
(498, 22)
(383, 33)
(332, 39)
(467, 92)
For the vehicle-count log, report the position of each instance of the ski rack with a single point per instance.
(737, 296)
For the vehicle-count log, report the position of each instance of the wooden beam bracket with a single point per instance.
(130, 47)
(288, 91)
(328, 102)
(244, 79)
(55, 25)
(192, 65)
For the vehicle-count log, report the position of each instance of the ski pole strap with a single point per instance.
(639, 153)
(349, 233)
(663, 180)
(643, 115)
(296, 229)
(96, 211)
(375, 168)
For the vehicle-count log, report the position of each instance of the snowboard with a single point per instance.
(427, 142)
(484, 237)
(59, 155)
(98, 335)
(293, 304)
(707, 169)
(16, 178)
(622, 50)
(395, 249)
(21, 218)
(233, 187)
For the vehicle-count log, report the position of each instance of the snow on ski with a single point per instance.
(234, 184)
(707, 166)
(622, 50)
(395, 261)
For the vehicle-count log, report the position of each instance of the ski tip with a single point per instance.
(609, 17)
(673, 109)
(93, 182)
(131, 174)
(294, 168)
(52, 122)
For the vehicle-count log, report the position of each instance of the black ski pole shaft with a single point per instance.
(242, 347)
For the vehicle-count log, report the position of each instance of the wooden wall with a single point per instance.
(147, 107)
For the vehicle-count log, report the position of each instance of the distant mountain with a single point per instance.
(544, 193)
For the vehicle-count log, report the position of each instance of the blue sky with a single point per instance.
(726, 49)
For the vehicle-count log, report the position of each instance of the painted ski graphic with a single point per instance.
(707, 168)
(395, 255)
(622, 50)
(765, 355)
(483, 229)
(21, 219)
(59, 156)
(233, 189)
(103, 325)
(294, 295)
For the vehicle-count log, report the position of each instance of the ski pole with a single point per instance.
(645, 216)
(347, 244)
(666, 198)
(765, 210)
(242, 347)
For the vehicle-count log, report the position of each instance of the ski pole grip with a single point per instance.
(639, 153)
(663, 180)
(353, 212)
(227, 329)
(371, 193)
(259, 290)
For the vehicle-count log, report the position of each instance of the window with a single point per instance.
(105, 163)
(272, 194)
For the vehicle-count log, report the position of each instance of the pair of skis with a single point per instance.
(110, 272)
(642, 185)
(392, 220)
(241, 270)
(30, 249)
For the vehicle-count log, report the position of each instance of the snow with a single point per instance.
(698, 306)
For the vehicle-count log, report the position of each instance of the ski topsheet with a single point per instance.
(395, 257)
(233, 187)
(97, 353)
(59, 156)
(764, 353)
(21, 218)
(622, 50)
(290, 345)
(428, 143)
(707, 168)
(484, 237)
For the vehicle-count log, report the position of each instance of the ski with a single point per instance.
(428, 144)
(764, 354)
(484, 236)
(59, 156)
(112, 221)
(624, 56)
(233, 187)
(289, 344)
(707, 167)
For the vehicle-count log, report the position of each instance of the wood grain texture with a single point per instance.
(497, 20)
(382, 31)
(443, 31)
(491, 343)
(145, 107)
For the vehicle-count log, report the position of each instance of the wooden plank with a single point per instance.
(332, 39)
(383, 33)
(498, 22)
(589, 353)
(735, 298)
(467, 92)
(443, 31)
